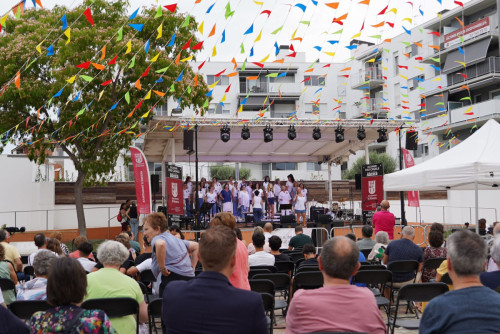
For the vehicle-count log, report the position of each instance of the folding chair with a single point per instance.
(423, 292)
(302, 269)
(24, 309)
(154, 312)
(372, 267)
(296, 256)
(307, 280)
(270, 268)
(282, 284)
(268, 301)
(446, 279)
(254, 272)
(365, 252)
(115, 307)
(433, 264)
(284, 267)
(378, 279)
(7, 284)
(263, 286)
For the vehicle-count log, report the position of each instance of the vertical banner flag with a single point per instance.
(372, 186)
(174, 193)
(142, 183)
(412, 195)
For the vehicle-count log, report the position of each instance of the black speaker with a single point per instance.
(357, 177)
(155, 183)
(288, 221)
(188, 140)
(314, 211)
(411, 140)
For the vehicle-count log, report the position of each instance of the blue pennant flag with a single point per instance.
(277, 48)
(251, 52)
(179, 78)
(249, 30)
(172, 40)
(301, 6)
(223, 36)
(77, 97)
(134, 14)
(59, 93)
(146, 47)
(159, 80)
(50, 50)
(210, 8)
(137, 26)
(114, 106)
(64, 21)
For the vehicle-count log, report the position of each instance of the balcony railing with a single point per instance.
(263, 87)
(489, 65)
(370, 74)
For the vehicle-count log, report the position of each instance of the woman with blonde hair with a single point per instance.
(270, 201)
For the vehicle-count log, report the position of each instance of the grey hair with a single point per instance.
(112, 253)
(258, 229)
(496, 229)
(495, 250)
(43, 261)
(467, 252)
(408, 231)
(339, 257)
(382, 237)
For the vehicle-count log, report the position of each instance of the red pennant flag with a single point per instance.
(419, 58)
(383, 10)
(186, 46)
(105, 83)
(402, 66)
(113, 61)
(88, 15)
(199, 67)
(146, 72)
(327, 65)
(27, 120)
(84, 65)
(268, 12)
(138, 105)
(228, 88)
(259, 64)
(459, 3)
(390, 24)
(171, 8)
(197, 46)
(220, 73)
(306, 79)
(435, 33)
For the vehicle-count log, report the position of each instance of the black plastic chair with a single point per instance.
(254, 272)
(365, 252)
(433, 263)
(24, 309)
(154, 312)
(115, 307)
(270, 268)
(147, 276)
(307, 280)
(282, 284)
(377, 280)
(284, 267)
(268, 301)
(7, 284)
(296, 256)
(262, 286)
(29, 270)
(423, 292)
(446, 279)
(372, 267)
(302, 269)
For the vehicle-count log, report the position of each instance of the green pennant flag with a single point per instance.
(338, 32)
(80, 112)
(242, 48)
(421, 30)
(387, 50)
(18, 13)
(421, 88)
(404, 95)
(376, 36)
(186, 22)
(205, 105)
(127, 97)
(31, 63)
(461, 39)
(228, 13)
(120, 35)
(163, 70)
(158, 12)
(437, 60)
(272, 75)
(49, 102)
(244, 65)
(172, 88)
(305, 22)
(86, 78)
(132, 62)
(466, 98)
(406, 43)
(189, 89)
(313, 63)
(277, 31)
(135, 124)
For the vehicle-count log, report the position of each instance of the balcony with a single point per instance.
(370, 78)
(488, 66)
(256, 87)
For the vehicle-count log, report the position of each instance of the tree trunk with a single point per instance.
(80, 214)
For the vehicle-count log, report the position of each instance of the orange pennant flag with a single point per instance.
(138, 84)
(253, 78)
(461, 23)
(345, 69)
(195, 80)
(309, 70)
(213, 31)
(131, 113)
(279, 60)
(98, 66)
(364, 2)
(39, 2)
(103, 50)
(333, 5)
(378, 25)
(177, 59)
(232, 74)
(234, 62)
(159, 93)
(17, 80)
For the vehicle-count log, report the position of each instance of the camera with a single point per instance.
(13, 230)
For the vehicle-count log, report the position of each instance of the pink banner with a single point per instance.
(412, 195)
(142, 185)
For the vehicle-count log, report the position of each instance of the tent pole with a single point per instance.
(476, 195)
(330, 194)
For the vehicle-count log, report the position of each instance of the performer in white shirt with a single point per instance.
(284, 198)
(277, 190)
(300, 207)
(212, 198)
(270, 201)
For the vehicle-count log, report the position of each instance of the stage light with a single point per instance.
(245, 133)
(339, 134)
(225, 133)
(292, 134)
(316, 133)
(382, 135)
(268, 134)
(361, 133)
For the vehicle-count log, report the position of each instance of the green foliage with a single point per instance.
(96, 138)
(388, 162)
(225, 172)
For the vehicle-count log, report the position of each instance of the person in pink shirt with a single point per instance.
(239, 277)
(338, 306)
(383, 220)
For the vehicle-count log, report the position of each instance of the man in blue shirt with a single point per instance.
(470, 307)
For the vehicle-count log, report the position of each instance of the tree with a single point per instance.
(386, 160)
(92, 111)
(224, 172)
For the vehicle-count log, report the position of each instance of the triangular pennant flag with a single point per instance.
(146, 72)
(212, 32)
(113, 61)
(138, 84)
(160, 94)
(134, 14)
(186, 22)
(84, 65)
(86, 78)
(200, 27)
(198, 46)
(177, 59)
(249, 30)
(258, 37)
(72, 79)
(160, 31)
(127, 97)
(146, 47)
(186, 46)
(171, 8)
(132, 62)
(159, 12)
(137, 26)
(214, 52)
(155, 58)
(120, 35)
(38, 47)
(223, 36)
(50, 50)
(228, 12)
(64, 21)
(179, 78)
(129, 47)
(17, 81)
(148, 96)
(67, 33)
(88, 16)
(172, 40)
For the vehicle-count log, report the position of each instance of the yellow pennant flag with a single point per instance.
(4, 19)
(200, 27)
(68, 34)
(146, 114)
(148, 96)
(329, 53)
(394, 10)
(38, 48)
(437, 79)
(258, 3)
(100, 95)
(418, 68)
(129, 46)
(402, 76)
(357, 35)
(223, 98)
(186, 59)
(72, 79)
(258, 37)
(293, 35)
(160, 31)
(264, 59)
(371, 60)
(214, 84)
(155, 58)
(407, 19)
(384, 68)
(214, 52)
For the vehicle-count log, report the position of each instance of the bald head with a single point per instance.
(268, 227)
(339, 258)
(385, 205)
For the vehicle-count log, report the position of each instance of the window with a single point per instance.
(341, 90)
(266, 168)
(313, 166)
(396, 63)
(414, 48)
(495, 95)
(161, 110)
(218, 109)
(316, 80)
(397, 95)
(415, 82)
(422, 150)
(223, 80)
(380, 150)
(284, 166)
(478, 98)
(408, 51)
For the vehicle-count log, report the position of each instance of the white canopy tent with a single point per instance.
(471, 165)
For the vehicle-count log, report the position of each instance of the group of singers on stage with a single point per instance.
(239, 197)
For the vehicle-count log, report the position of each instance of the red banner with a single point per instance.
(412, 195)
(142, 185)
(175, 196)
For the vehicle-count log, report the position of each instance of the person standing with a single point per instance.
(384, 220)
(277, 190)
(124, 217)
(284, 199)
(257, 207)
(300, 208)
(270, 201)
(234, 192)
(134, 221)
(187, 200)
(226, 198)
(218, 189)
(290, 182)
(244, 201)
(212, 198)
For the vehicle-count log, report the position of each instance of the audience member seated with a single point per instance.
(214, 305)
(492, 279)
(174, 258)
(240, 236)
(175, 230)
(36, 289)
(435, 250)
(300, 239)
(352, 236)
(125, 241)
(10, 252)
(239, 277)
(251, 247)
(41, 243)
(59, 236)
(133, 244)
(66, 285)
(470, 307)
(366, 242)
(378, 250)
(310, 259)
(275, 244)
(404, 249)
(109, 283)
(268, 229)
(7, 271)
(85, 250)
(55, 246)
(492, 266)
(9, 322)
(146, 253)
(76, 254)
(260, 258)
(338, 306)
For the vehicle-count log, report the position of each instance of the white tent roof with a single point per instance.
(477, 158)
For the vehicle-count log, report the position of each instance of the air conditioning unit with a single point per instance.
(176, 111)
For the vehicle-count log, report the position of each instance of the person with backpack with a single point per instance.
(123, 216)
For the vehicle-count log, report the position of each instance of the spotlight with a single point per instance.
(339, 134)
(225, 133)
(245, 133)
(268, 134)
(316, 133)
(382, 135)
(361, 133)
(292, 134)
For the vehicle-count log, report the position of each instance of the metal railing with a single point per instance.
(489, 65)
(370, 74)
(470, 210)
